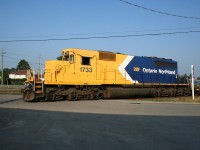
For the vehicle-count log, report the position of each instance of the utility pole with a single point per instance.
(39, 66)
(39, 61)
(2, 67)
(192, 84)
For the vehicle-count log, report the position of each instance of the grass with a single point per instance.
(11, 89)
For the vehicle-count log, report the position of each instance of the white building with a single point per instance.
(19, 74)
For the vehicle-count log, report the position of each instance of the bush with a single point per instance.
(17, 81)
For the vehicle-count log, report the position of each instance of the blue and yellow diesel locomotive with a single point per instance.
(94, 74)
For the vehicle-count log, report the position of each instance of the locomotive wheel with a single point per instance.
(98, 94)
(29, 96)
(49, 96)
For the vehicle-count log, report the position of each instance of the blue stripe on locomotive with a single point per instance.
(145, 70)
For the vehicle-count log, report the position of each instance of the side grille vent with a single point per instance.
(107, 56)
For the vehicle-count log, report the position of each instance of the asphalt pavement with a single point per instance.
(9, 98)
(97, 125)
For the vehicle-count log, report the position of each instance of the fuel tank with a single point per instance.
(116, 93)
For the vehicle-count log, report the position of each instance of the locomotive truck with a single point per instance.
(95, 74)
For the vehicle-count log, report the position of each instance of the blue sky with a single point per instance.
(47, 19)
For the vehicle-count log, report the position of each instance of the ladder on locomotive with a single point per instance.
(38, 84)
(38, 87)
(37, 81)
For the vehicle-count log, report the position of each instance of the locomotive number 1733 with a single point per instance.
(85, 69)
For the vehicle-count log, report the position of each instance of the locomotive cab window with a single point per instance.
(71, 58)
(85, 61)
(66, 56)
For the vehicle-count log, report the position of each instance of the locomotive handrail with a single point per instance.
(34, 80)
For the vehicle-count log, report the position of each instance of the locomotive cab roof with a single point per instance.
(92, 53)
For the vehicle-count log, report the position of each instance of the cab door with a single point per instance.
(68, 66)
(71, 63)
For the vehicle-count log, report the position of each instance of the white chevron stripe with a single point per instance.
(122, 70)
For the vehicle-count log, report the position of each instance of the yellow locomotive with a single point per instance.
(90, 74)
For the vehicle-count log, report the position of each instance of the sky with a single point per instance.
(66, 19)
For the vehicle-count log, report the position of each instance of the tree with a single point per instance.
(198, 78)
(59, 58)
(23, 65)
(183, 79)
(6, 73)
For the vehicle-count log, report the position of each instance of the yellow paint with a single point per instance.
(30, 77)
(94, 72)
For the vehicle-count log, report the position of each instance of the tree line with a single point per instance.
(22, 65)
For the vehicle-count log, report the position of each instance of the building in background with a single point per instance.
(19, 74)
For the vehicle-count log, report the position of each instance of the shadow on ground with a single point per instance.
(31, 129)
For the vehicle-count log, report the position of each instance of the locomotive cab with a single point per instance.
(73, 77)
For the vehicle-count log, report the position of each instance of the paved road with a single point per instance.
(9, 98)
(114, 124)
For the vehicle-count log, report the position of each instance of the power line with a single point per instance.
(156, 11)
(10, 51)
(21, 59)
(11, 61)
(34, 56)
(12, 58)
(104, 33)
(102, 37)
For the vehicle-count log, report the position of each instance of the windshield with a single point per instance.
(66, 56)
